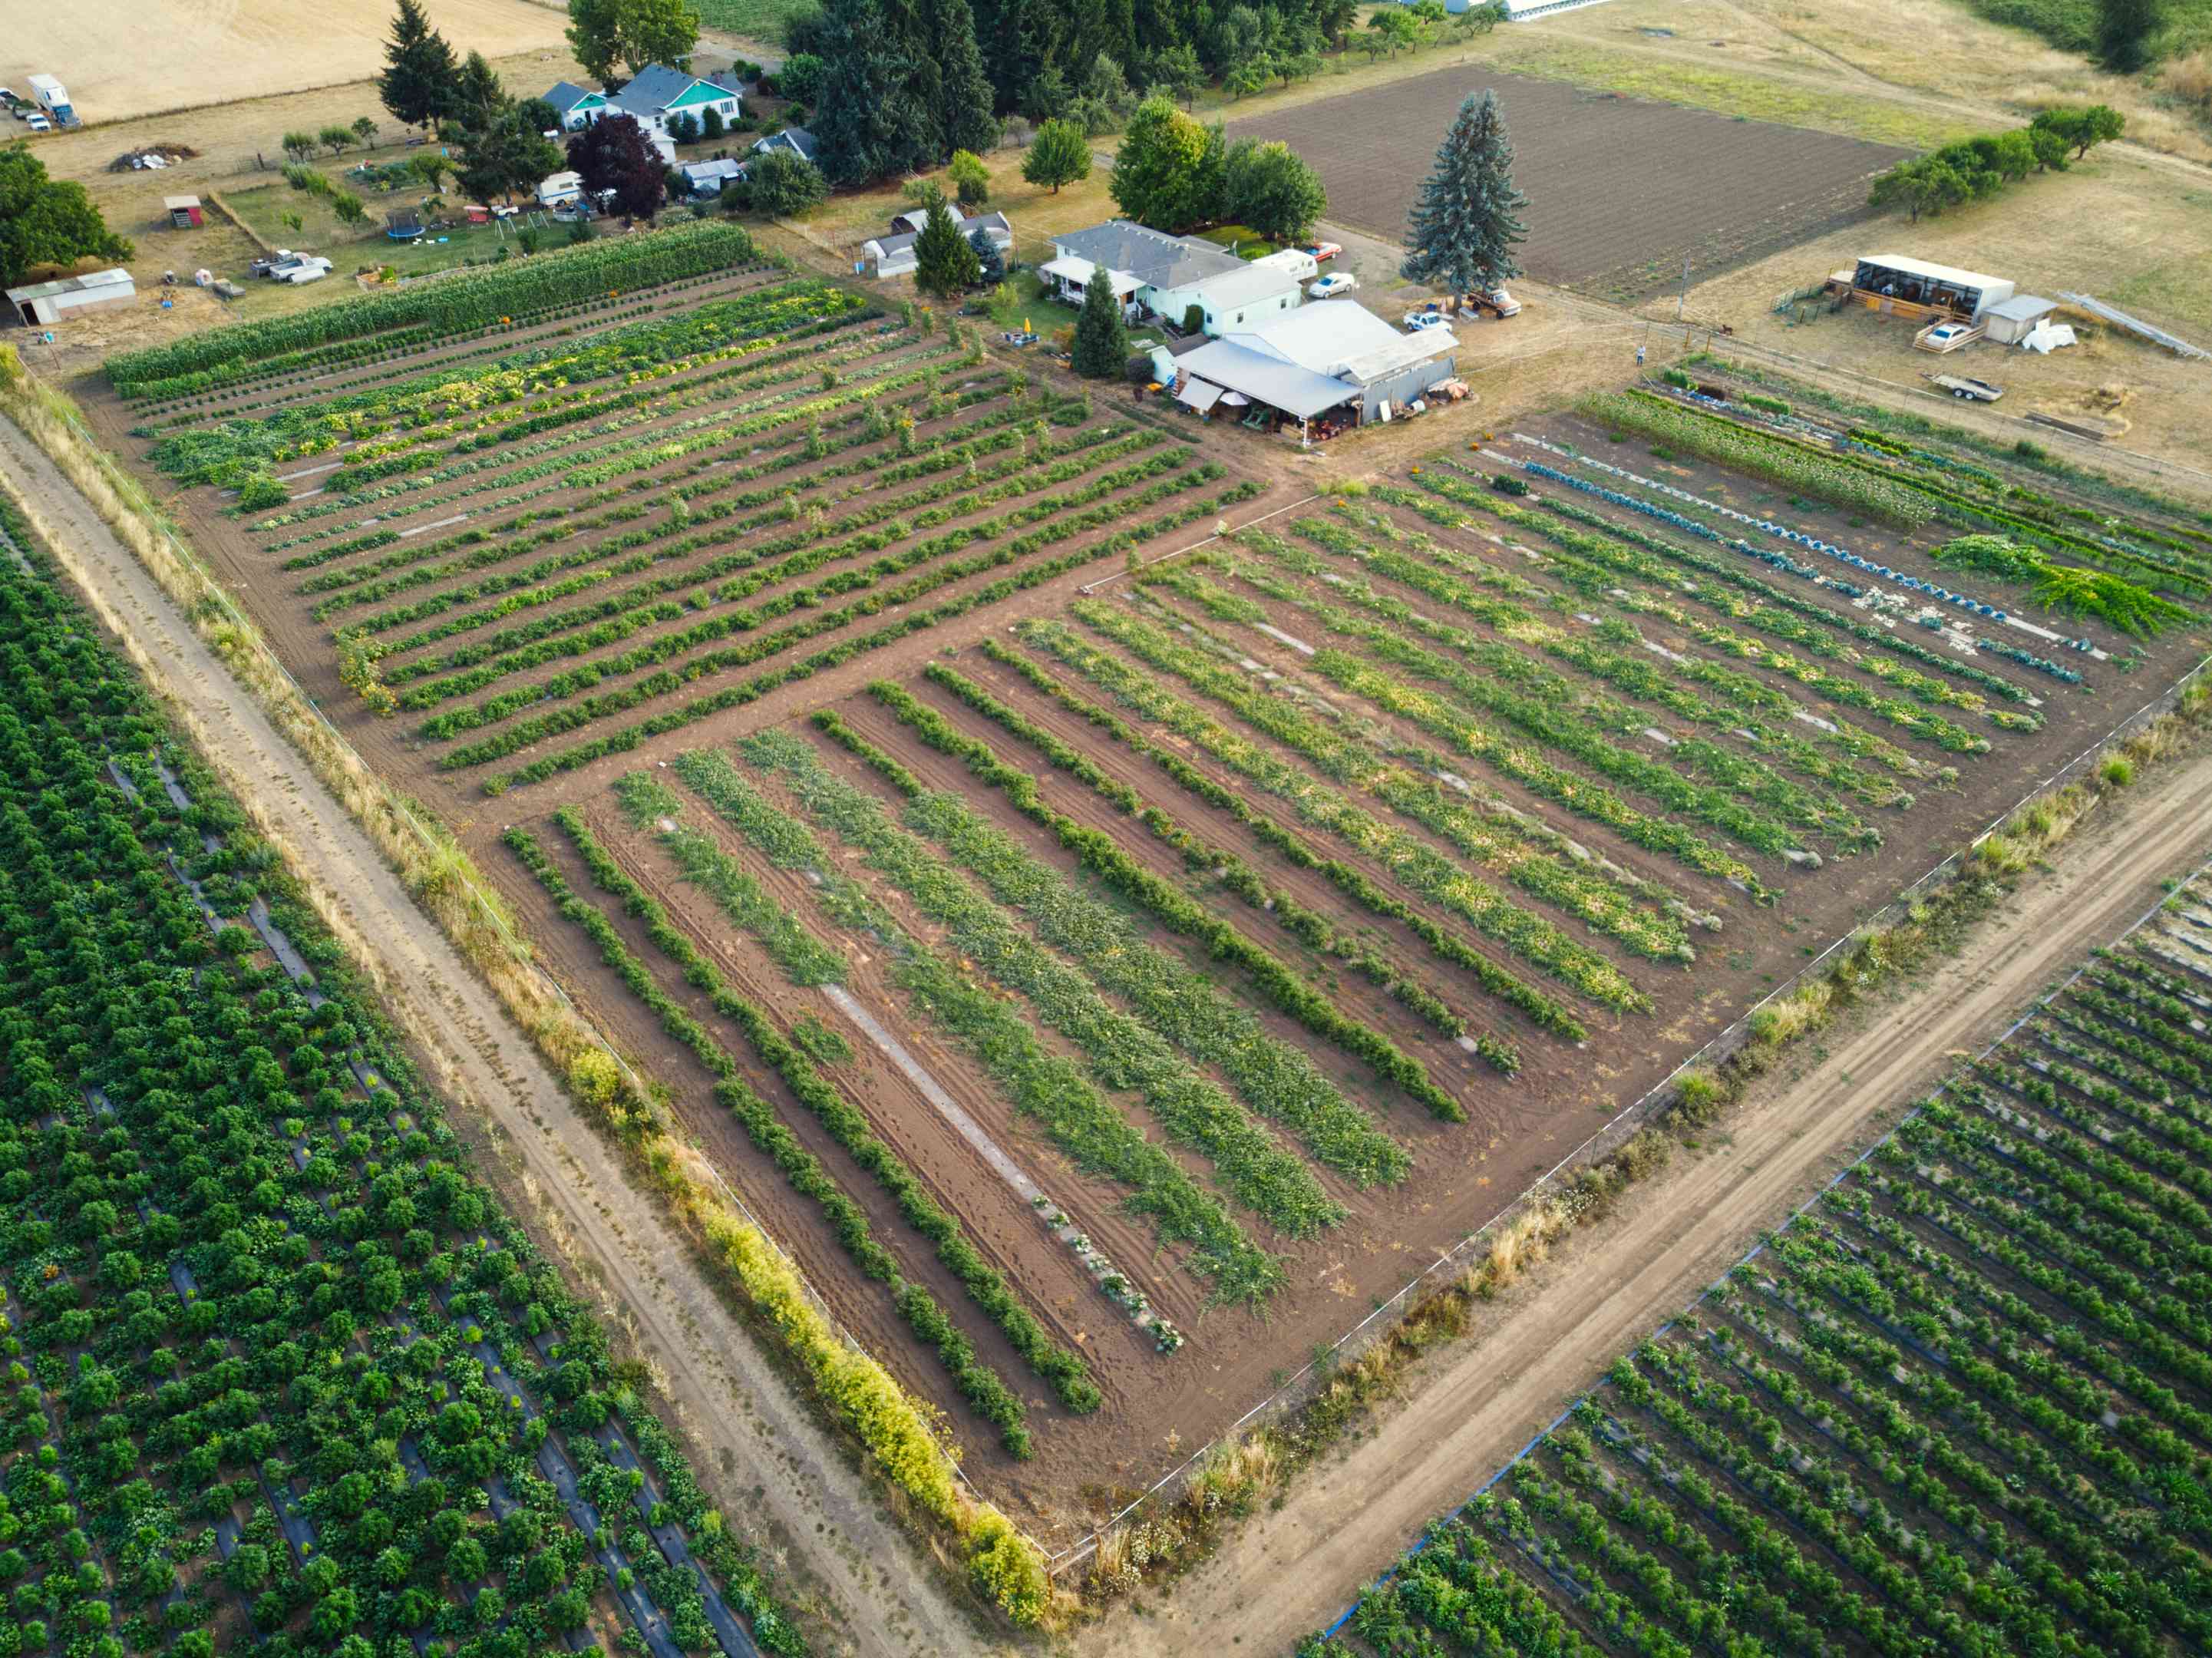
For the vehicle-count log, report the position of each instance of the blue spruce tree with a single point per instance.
(1464, 227)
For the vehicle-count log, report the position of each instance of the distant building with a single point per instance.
(1317, 359)
(894, 255)
(708, 178)
(798, 140)
(41, 303)
(1155, 274)
(184, 212)
(656, 97)
(575, 105)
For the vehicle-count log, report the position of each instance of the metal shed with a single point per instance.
(2015, 319)
(184, 212)
(58, 301)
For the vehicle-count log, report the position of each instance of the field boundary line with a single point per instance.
(1717, 1048)
(1146, 564)
(1920, 1106)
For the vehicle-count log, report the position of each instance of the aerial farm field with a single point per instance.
(1621, 189)
(1958, 1404)
(1111, 996)
(284, 1371)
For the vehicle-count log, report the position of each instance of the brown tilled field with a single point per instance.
(1619, 190)
(1326, 886)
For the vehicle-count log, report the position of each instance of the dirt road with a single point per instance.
(779, 1478)
(1294, 1570)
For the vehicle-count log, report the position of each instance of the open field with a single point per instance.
(1594, 782)
(1621, 189)
(1958, 1402)
(122, 60)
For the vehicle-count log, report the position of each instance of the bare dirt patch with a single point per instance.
(1620, 190)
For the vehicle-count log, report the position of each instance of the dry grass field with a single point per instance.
(125, 58)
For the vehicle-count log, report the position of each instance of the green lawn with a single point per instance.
(1240, 240)
(348, 249)
(758, 20)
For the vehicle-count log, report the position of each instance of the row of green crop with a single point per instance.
(1515, 761)
(1180, 718)
(458, 301)
(1594, 563)
(1063, 1371)
(858, 579)
(1143, 525)
(2127, 605)
(1053, 1091)
(514, 591)
(1746, 703)
(1762, 454)
(1525, 684)
(547, 458)
(1288, 991)
(978, 1383)
(1423, 870)
(1309, 926)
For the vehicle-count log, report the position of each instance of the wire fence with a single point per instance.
(1296, 1391)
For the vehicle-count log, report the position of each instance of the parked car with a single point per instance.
(1428, 316)
(35, 121)
(1322, 253)
(1329, 287)
(1946, 334)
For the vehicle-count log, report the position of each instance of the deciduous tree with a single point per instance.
(1158, 178)
(1059, 154)
(48, 222)
(631, 35)
(616, 154)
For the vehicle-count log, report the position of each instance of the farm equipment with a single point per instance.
(1965, 385)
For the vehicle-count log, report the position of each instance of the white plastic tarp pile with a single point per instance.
(2047, 336)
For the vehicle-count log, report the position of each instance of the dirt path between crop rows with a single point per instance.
(1296, 1567)
(781, 1480)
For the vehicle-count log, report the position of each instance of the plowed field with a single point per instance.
(1619, 190)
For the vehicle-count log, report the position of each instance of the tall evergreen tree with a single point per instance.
(417, 81)
(477, 96)
(944, 263)
(1465, 223)
(965, 99)
(1101, 342)
(878, 113)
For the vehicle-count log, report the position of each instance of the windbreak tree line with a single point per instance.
(254, 1297)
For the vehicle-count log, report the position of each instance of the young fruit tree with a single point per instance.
(1101, 343)
(1059, 154)
(1465, 224)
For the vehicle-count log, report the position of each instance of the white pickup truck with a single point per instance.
(300, 268)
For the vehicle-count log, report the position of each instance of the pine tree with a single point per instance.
(877, 113)
(990, 264)
(1101, 343)
(964, 97)
(417, 81)
(943, 263)
(1465, 224)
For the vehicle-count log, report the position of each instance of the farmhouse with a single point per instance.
(656, 97)
(1165, 276)
(1317, 359)
(894, 255)
(70, 296)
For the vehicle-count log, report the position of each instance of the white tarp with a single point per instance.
(1200, 395)
(2047, 336)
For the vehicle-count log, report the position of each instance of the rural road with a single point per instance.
(1292, 1570)
(782, 1482)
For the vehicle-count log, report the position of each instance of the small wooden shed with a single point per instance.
(184, 212)
(2015, 319)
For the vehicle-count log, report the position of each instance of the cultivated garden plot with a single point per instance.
(1278, 912)
(1621, 189)
(1961, 1403)
(1109, 999)
(284, 1371)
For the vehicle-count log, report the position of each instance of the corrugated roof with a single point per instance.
(1247, 285)
(91, 282)
(2022, 308)
(891, 247)
(1343, 337)
(1284, 386)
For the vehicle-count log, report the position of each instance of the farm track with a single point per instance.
(783, 1479)
(1296, 1567)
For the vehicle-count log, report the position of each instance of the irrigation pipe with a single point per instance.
(1758, 1249)
(1723, 1043)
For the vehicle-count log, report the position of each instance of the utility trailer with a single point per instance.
(1965, 385)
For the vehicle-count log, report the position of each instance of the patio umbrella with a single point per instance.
(1236, 399)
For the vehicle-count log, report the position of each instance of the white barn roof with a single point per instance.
(1284, 386)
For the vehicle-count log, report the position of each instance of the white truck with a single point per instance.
(54, 100)
(300, 268)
